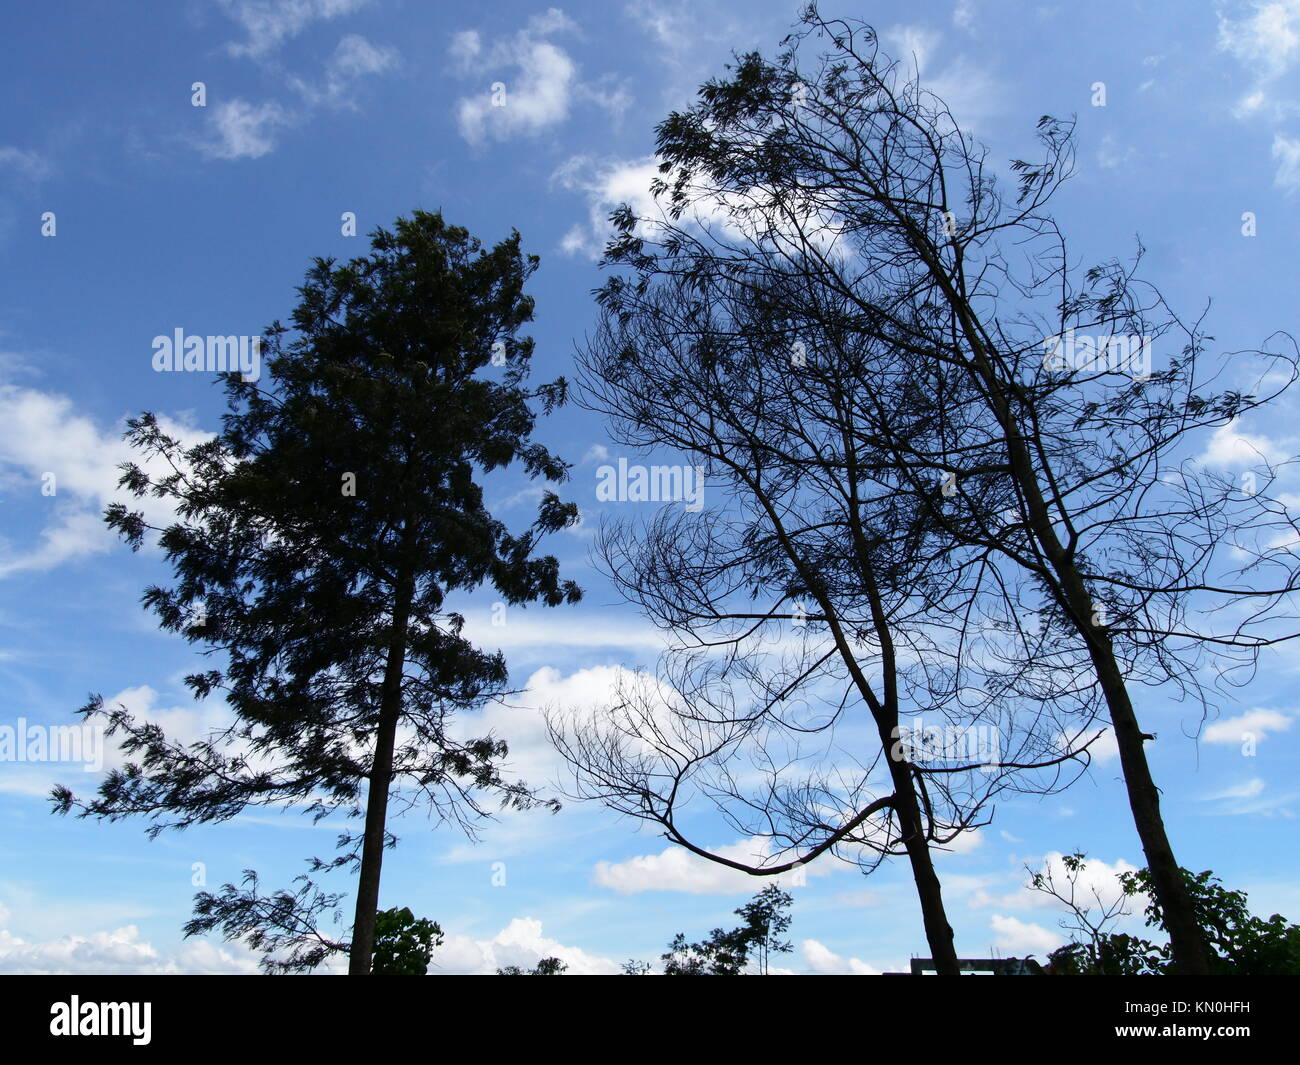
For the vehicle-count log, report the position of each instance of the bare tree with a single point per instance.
(844, 200)
(810, 595)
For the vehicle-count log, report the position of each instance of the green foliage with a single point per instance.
(403, 943)
(1242, 944)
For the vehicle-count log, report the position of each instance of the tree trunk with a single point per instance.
(1186, 939)
(938, 932)
(381, 775)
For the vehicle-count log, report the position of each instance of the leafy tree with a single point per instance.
(1242, 944)
(731, 953)
(318, 541)
(403, 943)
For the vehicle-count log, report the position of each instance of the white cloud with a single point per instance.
(41, 433)
(823, 960)
(244, 130)
(1247, 789)
(269, 23)
(520, 943)
(1103, 746)
(1286, 150)
(609, 183)
(539, 78)
(1228, 446)
(677, 869)
(1097, 884)
(606, 185)
(536, 97)
(1256, 723)
(1251, 797)
(181, 724)
(969, 90)
(571, 630)
(970, 840)
(353, 59)
(1111, 156)
(1018, 937)
(912, 45)
(1264, 36)
(120, 951)
(521, 722)
(674, 27)
(1267, 40)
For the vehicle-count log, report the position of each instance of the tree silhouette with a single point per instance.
(319, 540)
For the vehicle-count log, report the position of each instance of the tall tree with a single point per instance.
(319, 540)
(844, 178)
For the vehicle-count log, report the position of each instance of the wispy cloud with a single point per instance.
(28, 163)
(354, 58)
(269, 23)
(1254, 723)
(244, 130)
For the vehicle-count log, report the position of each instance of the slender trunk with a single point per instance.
(381, 776)
(1186, 939)
(938, 932)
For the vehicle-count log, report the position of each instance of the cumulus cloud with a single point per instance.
(521, 943)
(823, 960)
(676, 869)
(964, 843)
(1097, 885)
(1019, 937)
(606, 185)
(40, 434)
(521, 720)
(181, 724)
(243, 130)
(119, 951)
(537, 87)
(1229, 446)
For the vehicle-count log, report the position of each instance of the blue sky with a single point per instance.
(167, 215)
